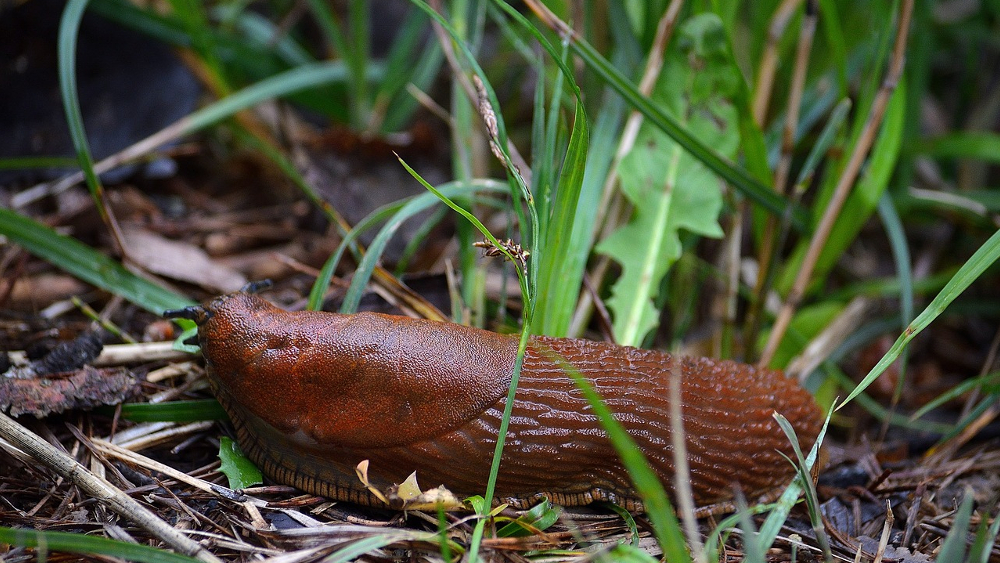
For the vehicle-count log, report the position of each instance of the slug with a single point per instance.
(312, 394)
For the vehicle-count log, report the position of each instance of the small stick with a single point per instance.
(769, 240)
(844, 185)
(769, 60)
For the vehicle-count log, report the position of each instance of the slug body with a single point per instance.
(312, 394)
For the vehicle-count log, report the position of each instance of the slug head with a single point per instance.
(361, 380)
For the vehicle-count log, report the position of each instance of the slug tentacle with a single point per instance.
(195, 313)
(312, 394)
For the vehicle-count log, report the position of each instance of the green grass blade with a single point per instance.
(88, 545)
(406, 63)
(862, 201)
(953, 547)
(261, 33)
(174, 411)
(329, 25)
(359, 47)
(326, 273)
(658, 507)
(979, 145)
(164, 27)
(559, 272)
(982, 547)
(968, 273)
(360, 547)
(803, 468)
(882, 413)
(825, 140)
(69, 27)
(904, 273)
(87, 264)
(29, 162)
(989, 383)
(192, 16)
(834, 36)
(371, 259)
(294, 80)
(519, 190)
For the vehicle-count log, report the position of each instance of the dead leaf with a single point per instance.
(180, 261)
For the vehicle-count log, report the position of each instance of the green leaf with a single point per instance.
(743, 181)
(669, 188)
(625, 553)
(240, 471)
(540, 517)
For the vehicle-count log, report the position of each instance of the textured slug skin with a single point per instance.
(312, 394)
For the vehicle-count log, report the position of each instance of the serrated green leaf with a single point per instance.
(670, 189)
(240, 471)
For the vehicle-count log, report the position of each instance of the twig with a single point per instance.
(120, 354)
(886, 532)
(100, 489)
(769, 60)
(682, 473)
(769, 244)
(824, 343)
(844, 184)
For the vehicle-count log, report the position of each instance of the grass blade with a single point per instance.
(87, 264)
(88, 545)
(654, 497)
(963, 278)
(557, 293)
(371, 259)
(953, 547)
(69, 27)
(174, 411)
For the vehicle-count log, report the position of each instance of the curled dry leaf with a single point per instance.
(408, 496)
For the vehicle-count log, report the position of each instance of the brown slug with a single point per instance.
(312, 394)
